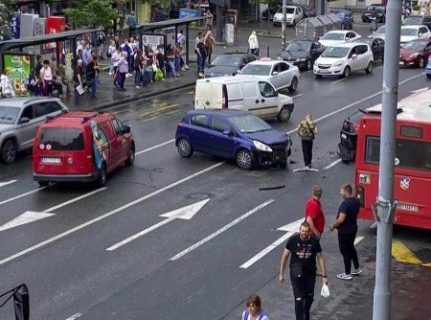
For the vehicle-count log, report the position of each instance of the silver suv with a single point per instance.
(19, 119)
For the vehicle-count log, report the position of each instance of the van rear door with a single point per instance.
(203, 92)
(234, 96)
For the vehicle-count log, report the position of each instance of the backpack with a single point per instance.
(246, 314)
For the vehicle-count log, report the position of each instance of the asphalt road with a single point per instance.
(77, 268)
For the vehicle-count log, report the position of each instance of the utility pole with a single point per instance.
(385, 206)
(283, 27)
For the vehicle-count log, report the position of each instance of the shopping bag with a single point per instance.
(159, 74)
(80, 90)
(325, 291)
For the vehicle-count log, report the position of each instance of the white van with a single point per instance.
(247, 94)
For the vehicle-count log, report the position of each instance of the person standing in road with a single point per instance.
(209, 45)
(314, 212)
(254, 310)
(303, 250)
(347, 227)
(253, 43)
(307, 130)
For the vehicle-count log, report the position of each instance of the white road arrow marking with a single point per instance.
(31, 216)
(184, 213)
(290, 229)
(2, 184)
(419, 90)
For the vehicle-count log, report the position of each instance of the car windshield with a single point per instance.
(333, 36)
(335, 52)
(256, 69)
(249, 123)
(415, 45)
(8, 115)
(381, 30)
(409, 31)
(226, 60)
(412, 21)
(298, 46)
(288, 10)
(340, 14)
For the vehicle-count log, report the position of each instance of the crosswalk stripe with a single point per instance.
(403, 254)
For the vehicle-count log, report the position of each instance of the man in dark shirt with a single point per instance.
(304, 249)
(347, 228)
(78, 77)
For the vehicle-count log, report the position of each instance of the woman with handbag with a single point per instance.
(307, 130)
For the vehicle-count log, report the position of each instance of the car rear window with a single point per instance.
(62, 138)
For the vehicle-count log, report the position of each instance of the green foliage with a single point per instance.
(91, 13)
(6, 11)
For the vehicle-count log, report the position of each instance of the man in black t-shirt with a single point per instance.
(303, 250)
(347, 229)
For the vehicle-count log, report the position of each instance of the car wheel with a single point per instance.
(421, 62)
(244, 159)
(293, 84)
(284, 114)
(184, 148)
(369, 68)
(9, 151)
(130, 157)
(346, 72)
(43, 184)
(101, 180)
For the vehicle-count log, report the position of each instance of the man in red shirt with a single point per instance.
(314, 212)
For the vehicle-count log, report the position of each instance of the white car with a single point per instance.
(280, 73)
(342, 59)
(379, 33)
(338, 36)
(294, 14)
(409, 33)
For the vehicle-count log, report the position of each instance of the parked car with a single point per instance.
(377, 12)
(308, 11)
(19, 119)
(428, 69)
(379, 33)
(271, 11)
(377, 46)
(417, 21)
(302, 53)
(415, 53)
(228, 64)
(294, 14)
(233, 135)
(81, 147)
(338, 36)
(409, 33)
(346, 17)
(280, 74)
(342, 59)
(245, 93)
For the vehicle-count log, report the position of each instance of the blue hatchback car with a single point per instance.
(233, 135)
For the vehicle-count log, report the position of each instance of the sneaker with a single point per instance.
(307, 167)
(356, 272)
(186, 67)
(137, 87)
(183, 69)
(343, 276)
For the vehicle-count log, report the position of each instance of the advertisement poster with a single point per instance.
(54, 25)
(18, 70)
(153, 41)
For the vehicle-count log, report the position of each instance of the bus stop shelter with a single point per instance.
(153, 33)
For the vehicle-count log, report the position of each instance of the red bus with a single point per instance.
(412, 181)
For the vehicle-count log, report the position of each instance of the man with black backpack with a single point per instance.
(303, 250)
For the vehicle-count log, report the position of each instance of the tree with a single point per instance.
(7, 8)
(91, 13)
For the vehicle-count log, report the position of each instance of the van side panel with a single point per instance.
(203, 94)
(234, 96)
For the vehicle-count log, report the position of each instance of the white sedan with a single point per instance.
(280, 73)
(409, 33)
(338, 36)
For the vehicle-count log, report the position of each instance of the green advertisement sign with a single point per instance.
(18, 70)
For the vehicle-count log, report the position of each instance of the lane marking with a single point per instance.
(403, 254)
(83, 196)
(358, 239)
(2, 184)
(338, 81)
(297, 96)
(106, 215)
(75, 316)
(154, 147)
(22, 195)
(329, 166)
(221, 230)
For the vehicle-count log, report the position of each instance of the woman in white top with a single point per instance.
(254, 309)
(111, 50)
(46, 78)
(253, 43)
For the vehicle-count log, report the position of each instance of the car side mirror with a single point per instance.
(354, 56)
(228, 133)
(126, 129)
(24, 120)
(275, 73)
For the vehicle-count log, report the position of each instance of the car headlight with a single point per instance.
(338, 64)
(261, 146)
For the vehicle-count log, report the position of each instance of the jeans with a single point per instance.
(177, 63)
(77, 96)
(172, 70)
(92, 83)
(138, 77)
(303, 292)
(201, 63)
(346, 242)
(122, 80)
(307, 151)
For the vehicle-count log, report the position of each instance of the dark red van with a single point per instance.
(81, 146)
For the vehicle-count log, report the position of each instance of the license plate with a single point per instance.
(408, 207)
(323, 71)
(401, 63)
(51, 160)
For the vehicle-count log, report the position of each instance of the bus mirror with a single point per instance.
(21, 299)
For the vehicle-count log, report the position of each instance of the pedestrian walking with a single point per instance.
(131, 23)
(254, 310)
(314, 212)
(307, 130)
(78, 78)
(253, 43)
(123, 68)
(347, 227)
(91, 75)
(303, 250)
(209, 45)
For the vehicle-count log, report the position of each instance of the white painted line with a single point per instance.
(358, 239)
(338, 81)
(2, 184)
(329, 166)
(85, 195)
(75, 316)
(22, 195)
(154, 147)
(297, 96)
(221, 230)
(106, 215)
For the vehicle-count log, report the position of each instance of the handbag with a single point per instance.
(296, 270)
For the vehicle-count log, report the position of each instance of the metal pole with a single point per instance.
(219, 24)
(283, 27)
(385, 205)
